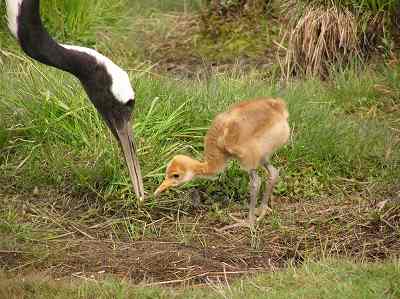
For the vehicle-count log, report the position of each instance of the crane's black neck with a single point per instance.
(39, 45)
(96, 80)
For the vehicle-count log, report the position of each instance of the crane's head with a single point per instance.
(181, 169)
(110, 91)
(118, 120)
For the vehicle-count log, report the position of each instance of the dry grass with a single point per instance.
(175, 244)
(320, 38)
(329, 36)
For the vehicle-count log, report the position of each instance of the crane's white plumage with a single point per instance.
(121, 87)
(13, 7)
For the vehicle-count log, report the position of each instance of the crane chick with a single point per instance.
(250, 132)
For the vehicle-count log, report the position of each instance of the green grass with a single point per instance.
(84, 20)
(327, 279)
(79, 21)
(53, 135)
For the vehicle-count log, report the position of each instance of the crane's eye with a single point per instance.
(175, 176)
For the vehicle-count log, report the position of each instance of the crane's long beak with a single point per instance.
(125, 136)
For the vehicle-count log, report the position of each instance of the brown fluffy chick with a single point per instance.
(250, 132)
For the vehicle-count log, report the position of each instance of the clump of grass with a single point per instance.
(321, 38)
(333, 34)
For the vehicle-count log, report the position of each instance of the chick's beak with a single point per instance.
(164, 186)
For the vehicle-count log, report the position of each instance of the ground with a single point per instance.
(60, 238)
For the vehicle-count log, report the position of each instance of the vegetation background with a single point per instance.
(70, 225)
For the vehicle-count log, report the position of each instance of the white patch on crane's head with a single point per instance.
(121, 87)
(13, 8)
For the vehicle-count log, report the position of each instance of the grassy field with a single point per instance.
(326, 279)
(53, 136)
(67, 210)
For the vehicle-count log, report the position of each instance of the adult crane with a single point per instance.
(105, 83)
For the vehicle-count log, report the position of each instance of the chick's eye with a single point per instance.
(175, 176)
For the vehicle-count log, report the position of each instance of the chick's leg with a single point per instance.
(266, 203)
(254, 186)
